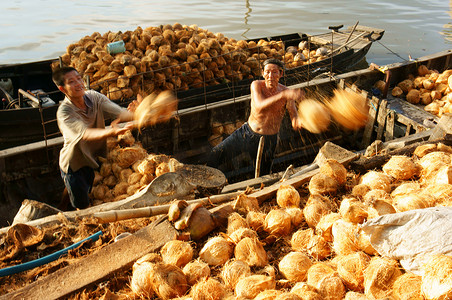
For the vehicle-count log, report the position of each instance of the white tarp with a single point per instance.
(412, 236)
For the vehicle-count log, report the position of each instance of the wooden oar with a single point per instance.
(260, 149)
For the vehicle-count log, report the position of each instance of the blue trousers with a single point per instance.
(78, 185)
(243, 140)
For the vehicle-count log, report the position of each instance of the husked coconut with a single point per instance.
(134, 178)
(208, 288)
(437, 279)
(379, 277)
(412, 201)
(325, 225)
(377, 180)
(442, 193)
(345, 237)
(323, 184)
(413, 96)
(333, 168)
(216, 251)
(379, 208)
(332, 288)
(406, 188)
(278, 222)
(397, 92)
(233, 271)
(319, 248)
(349, 109)
(146, 167)
(400, 167)
(129, 155)
(251, 251)
(444, 148)
(317, 272)
(141, 281)
(408, 287)
(422, 70)
(316, 207)
(422, 150)
(294, 266)
(351, 269)
(244, 204)
(268, 295)
(168, 281)
(288, 296)
(124, 174)
(242, 233)
(305, 291)
(350, 295)
(235, 221)
(301, 238)
(178, 253)
(287, 196)
(315, 115)
(250, 286)
(256, 220)
(360, 190)
(195, 271)
(444, 176)
(406, 85)
(296, 216)
(162, 169)
(364, 243)
(352, 210)
(432, 162)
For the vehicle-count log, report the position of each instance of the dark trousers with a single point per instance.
(243, 140)
(78, 185)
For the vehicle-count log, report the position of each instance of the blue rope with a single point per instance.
(46, 259)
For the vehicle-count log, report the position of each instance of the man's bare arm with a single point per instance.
(260, 102)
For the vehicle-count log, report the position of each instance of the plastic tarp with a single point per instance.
(412, 236)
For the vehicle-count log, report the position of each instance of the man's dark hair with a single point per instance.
(274, 61)
(58, 75)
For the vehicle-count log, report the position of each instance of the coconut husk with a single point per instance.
(268, 295)
(379, 277)
(319, 248)
(18, 237)
(350, 295)
(208, 288)
(314, 115)
(233, 271)
(242, 233)
(345, 237)
(360, 190)
(288, 296)
(294, 266)
(195, 271)
(287, 196)
(401, 167)
(141, 281)
(352, 210)
(168, 281)
(244, 204)
(349, 109)
(129, 155)
(333, 168)
(437, 279)
(278, 222)
(305, 291)
(350, 269)
(301, 238)
(364, 243)
(325, 224)
(423, 150)
(408, 287)
(216, 251)
(317, 272)
(251, 251)
(331, 288)
(256, 220)
(323, 184)
(235, 221)
(178, 253)
(296, 216)
(377, 180)
(155, 108)
(250, 286)
(316, 207)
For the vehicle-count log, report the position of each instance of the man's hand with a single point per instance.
(297, 123)
(116, 130)
(134, 104)
(294, 94)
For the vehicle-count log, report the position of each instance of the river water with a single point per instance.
(40, 29)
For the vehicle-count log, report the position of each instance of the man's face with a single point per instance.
(272, 74)
(73, 85)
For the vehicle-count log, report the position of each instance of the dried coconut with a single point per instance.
(278, 222)
(251, 251)
(233, 271)
(208, 289)
(437, 278)
(168, 281)
(423, 150)
(216, 251)
(256, 220)
(287, 196)
(400, 167)
(268, 295)
(305, 291)
(351, 269)
(178, 253)
(294, 266)
(412, 201)
(250, 286)
(296, 216)
(345, 237)
(318, 247)
(325, 225)
(316, 207)
(235, 221)
(333, 168)
(288, 296)
(379, 276)
(195, 271)
(408, 287)
(350, 295)
(353, 210)
(141, 281)
(244, 204)
(242, 233)
(323, 184)
(331, 288)
(301, 238)
(377, 180)
(317, 272)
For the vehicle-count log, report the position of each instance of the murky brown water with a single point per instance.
(39, 29)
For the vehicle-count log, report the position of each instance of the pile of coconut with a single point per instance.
(307, 244)
(222, 130)
(176, 57)
(430, 88)
(127, 169)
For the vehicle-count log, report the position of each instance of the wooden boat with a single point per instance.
(27, 117)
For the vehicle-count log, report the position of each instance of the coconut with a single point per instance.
(432, 162)
(325, 225)
(251, 251)
(288, 296)
(331, 288)
(318, 247)
(400, 167)
(208, 288)
(322, 184)
(379, 208)
(406, 85)
(406, 188)
(314, 115)
(316, 207)
(296, 216)
(129, 155)
(444, 148)
(141, 281)
(146, 167)
(396, 92)
(442, 193)
(287, 196)
(235, 221)
(155, 108)
(294, 266)
(216, 251)
(255, 220)
(413, 96)
(437, 279)
(444, 176)
(233, 271)
(360, 190)
(345, 237)
(301, 238)
(318, 271)
(268, 295)
(355, 296)
(177, 253)
(352, 210)
(195, 271)
(422, 150)
(250, 286)
(377, 194)
(168, 281)
(333, 168)
(278, 222)
(305, 291)
(364, 243)
(244, 204)
(412, 201)
(408, 287)
(377, 180)
(242, 233)
(349, 109)
(380, 84)
(351, 269)
(379, 276)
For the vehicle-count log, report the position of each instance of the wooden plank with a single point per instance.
(98, 265)
(373, 109)
(381, 118)
(390, 122)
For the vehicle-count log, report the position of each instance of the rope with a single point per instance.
(392, 51)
